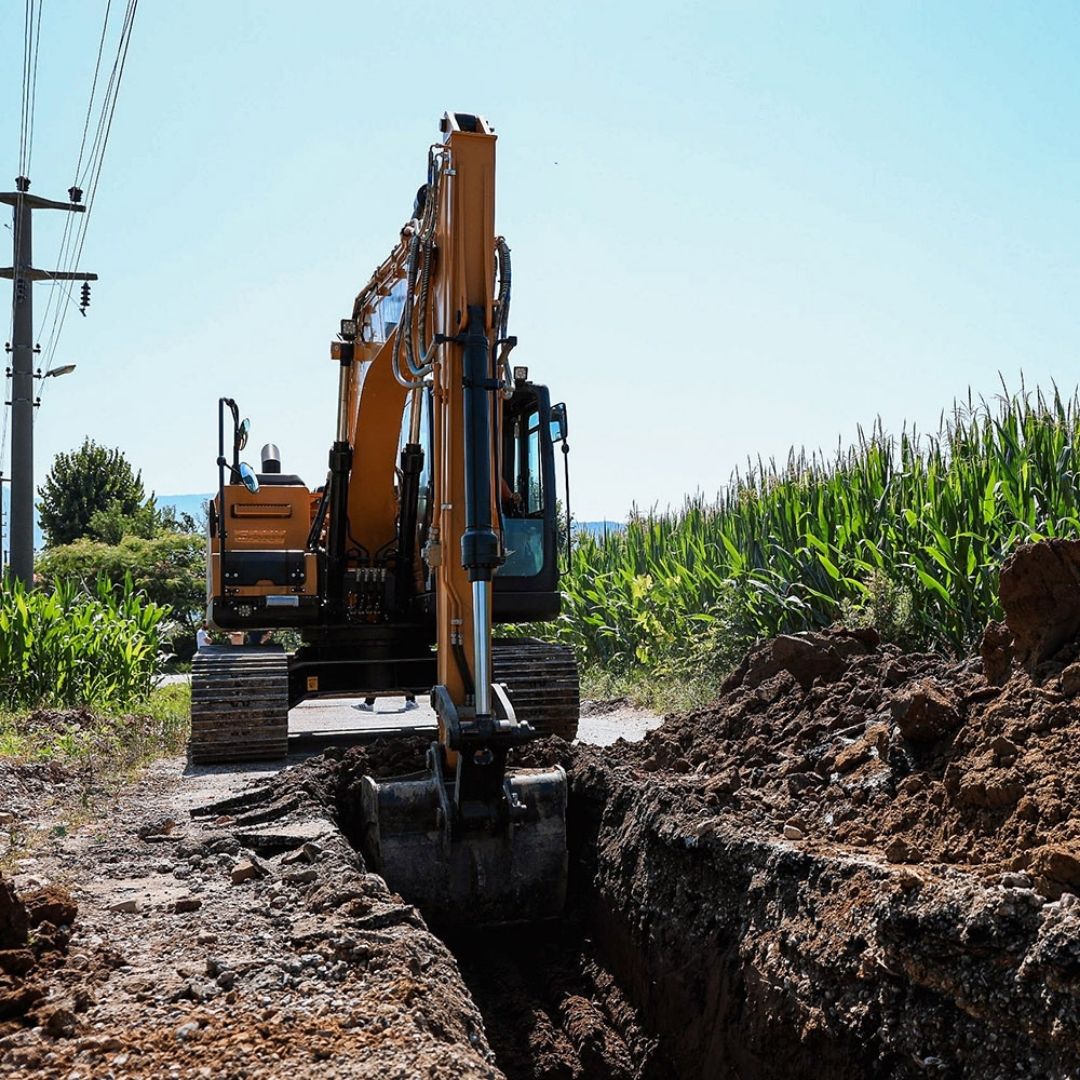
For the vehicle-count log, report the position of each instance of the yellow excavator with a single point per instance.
(436, 521)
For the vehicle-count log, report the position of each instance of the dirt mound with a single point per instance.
(34, 933)
(834, 739)
(1040, 592)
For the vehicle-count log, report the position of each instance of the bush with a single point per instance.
(170, 569)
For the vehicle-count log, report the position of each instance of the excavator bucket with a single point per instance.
(503, 861)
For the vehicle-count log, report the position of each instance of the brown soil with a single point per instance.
(855, 863)
(34, 932)
(905, 757)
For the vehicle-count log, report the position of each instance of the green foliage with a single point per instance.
(85, 482)
(886, 606)
(170, 569)
(112, 524)
(74, 646)
(908, 533)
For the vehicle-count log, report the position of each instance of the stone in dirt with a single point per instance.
(245, 870)
(50, 904)
(996, 649)
(925, 711)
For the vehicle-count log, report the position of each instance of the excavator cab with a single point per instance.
(527, 584)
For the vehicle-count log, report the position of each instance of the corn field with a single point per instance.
(74, 646)
(905, 532)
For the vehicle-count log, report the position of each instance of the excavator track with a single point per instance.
(239, 704)
(542, 682)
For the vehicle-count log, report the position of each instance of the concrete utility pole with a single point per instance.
(21, 347)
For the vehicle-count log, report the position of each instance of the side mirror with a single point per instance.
(558, 422)
(248, 478)
(242, 432)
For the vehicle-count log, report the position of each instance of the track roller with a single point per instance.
(542, 683)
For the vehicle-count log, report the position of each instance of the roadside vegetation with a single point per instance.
(72, 646)
(903, 533)
(78, 673)
(99, 522)
(82, 652)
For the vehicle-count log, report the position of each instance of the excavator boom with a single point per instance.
(470, 838)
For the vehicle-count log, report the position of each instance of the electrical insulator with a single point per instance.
(85, 303)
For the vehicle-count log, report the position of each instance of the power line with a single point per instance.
(67, 234)
(33, 87)
(93, 90)
(92, 171)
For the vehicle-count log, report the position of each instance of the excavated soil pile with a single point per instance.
(855, 862)
(34, 932)
(834, 739)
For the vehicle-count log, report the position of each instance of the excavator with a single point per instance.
(437, 521)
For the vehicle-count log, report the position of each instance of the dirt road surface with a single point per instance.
(226, 946)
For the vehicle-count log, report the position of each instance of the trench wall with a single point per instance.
(755, 958)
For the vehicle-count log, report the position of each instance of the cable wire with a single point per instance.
(68, 233)
(92, 170)
(33, 88)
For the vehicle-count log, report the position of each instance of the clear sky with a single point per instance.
(735, 227)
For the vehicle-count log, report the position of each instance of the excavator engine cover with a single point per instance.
(470, 866)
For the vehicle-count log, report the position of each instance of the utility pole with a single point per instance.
(21, 347)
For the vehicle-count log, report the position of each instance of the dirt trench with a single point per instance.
(854, 863)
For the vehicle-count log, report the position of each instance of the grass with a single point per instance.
(660, 694)
(99, 745)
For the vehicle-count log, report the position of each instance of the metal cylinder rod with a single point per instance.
(415, 409)
(481, 596)
(343, 403)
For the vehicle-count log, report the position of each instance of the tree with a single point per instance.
(88, 481)
(169, 568)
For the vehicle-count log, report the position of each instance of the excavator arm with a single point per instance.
(389, 570)
(471, 838)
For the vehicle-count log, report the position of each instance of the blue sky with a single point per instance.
(735, 227)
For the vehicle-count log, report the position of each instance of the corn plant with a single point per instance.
(75, 646)
(927, 519)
